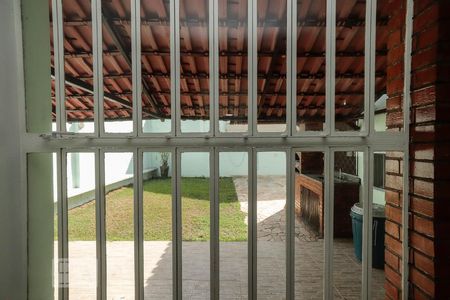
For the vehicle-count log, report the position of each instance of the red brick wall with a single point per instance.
(393, 225)
(429, 217)
(430, 156)
(394, 161)
(395, 64)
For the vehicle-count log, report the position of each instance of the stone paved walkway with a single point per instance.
(271, 203)
(271, 254)
(233, 271)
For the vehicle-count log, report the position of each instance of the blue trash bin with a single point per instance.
(378, 219)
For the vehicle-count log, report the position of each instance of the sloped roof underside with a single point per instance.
(233, 60)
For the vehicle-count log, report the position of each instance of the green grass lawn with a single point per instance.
(157, 209)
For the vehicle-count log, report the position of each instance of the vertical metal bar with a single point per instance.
(174, 62)
(253, 224)
(253, 68)
(176, 70)
(59, 280)
(96, 15)
(175, 221)
(178, 231)
(213, 68)
(367, 221)
(368, 50)
(372, 56)
(290, 219)
(330, 71)
(98, 225)
(63, 240)
(250, 114)
(291, 77)
(406, 117)
(136, 66)
(214, 215)
(58, 48)
(368, 229)
(100, 221)
(328, 227)
(215, 72)
(329, 89)
(293, 69)
(250, 223)
(138, 225)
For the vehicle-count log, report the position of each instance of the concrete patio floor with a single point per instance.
(233, 277)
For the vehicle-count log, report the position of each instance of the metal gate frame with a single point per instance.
(329, 141)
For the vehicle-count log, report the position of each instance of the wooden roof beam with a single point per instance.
(309, 54)
(230, 94)
(115, 37)
(201, 75)
(347, 22)
(89, 92)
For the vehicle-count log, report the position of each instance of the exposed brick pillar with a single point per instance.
(394, 160)
(393, 225)
(429, 216)
(430, 151)
(395, 64)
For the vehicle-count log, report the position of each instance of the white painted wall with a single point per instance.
(380, 122)
(378, 194)
(161, 126)
(380, 115)
(81, 171)
(119, 166)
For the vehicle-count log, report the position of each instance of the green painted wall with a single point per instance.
(40, 225)
(13, 255)
(36, 54)
(36, 62)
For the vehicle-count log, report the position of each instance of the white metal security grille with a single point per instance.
(214, 142)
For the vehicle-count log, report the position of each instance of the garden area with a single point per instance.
(157, 212)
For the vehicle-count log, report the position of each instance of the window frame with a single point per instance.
(214, 142)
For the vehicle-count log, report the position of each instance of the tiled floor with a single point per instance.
(271, 256)
(233, 270)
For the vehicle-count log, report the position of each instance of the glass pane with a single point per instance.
(82, 225)
(387, 224)
(350, 53)
(117, 82)
(309, 225)
(271, 96)
(78, 66)
(390, 43)
(233, 66)
(233, 225)
(194, 65)
(119, 208)
(348, 219)
(155, 62)
(271, 225)
(195, 222)
(311, 42)
(157, 215)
